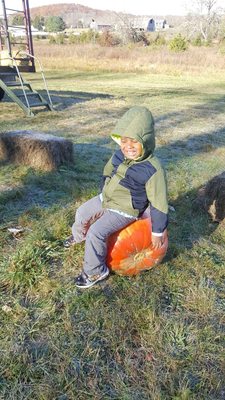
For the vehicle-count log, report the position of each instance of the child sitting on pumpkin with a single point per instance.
(133, 179)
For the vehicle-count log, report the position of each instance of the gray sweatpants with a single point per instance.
(95, 224)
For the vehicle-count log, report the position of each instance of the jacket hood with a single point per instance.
(137, 123)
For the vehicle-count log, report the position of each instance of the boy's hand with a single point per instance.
(157, 241)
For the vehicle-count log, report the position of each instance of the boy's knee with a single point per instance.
(94, 232)
(81, 212)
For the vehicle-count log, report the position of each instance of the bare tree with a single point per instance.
(128, 30)
(204, 19)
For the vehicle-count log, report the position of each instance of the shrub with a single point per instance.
(107, 39)
(208, 42)
(178, 43)
(89, 36)
(52, 39)
(159, 40)
(222, 46)
(197, 41)
(221, 35)
(60, 38)
(73, 39)
(137, 36)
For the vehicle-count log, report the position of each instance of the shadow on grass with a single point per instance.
(194, 144)
(63, 99)
(188, 223)
(207, 106)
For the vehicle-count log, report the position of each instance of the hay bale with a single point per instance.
(39, 150)
(212, 197)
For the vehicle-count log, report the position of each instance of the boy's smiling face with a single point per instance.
(130, 148)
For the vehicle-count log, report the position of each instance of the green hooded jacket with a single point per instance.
(130, 186)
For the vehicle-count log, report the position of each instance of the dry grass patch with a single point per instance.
(92, 57)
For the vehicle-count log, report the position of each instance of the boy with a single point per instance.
(133, 179)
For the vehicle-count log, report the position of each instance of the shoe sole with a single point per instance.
(68, 247)
(68, 243)
(101, 278)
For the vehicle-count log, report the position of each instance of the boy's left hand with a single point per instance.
(157, 241)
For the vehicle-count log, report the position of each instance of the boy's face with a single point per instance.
(130, 148)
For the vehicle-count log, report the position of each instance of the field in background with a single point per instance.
(132, 58)
(159, 335)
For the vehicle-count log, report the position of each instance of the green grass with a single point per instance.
(157, 336)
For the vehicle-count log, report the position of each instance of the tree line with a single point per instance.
(204, 23)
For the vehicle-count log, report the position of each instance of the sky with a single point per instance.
(137, 7)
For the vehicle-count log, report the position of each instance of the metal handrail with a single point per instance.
(20, 77)
(41, 70)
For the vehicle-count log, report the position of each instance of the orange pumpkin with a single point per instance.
(130, 249)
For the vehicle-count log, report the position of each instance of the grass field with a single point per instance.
(157, 336)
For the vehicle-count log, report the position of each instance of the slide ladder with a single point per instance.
(21, 91)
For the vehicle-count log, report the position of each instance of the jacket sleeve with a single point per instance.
(107, 172)
(156, 190)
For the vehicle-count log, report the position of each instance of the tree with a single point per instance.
(127, 30)
(17, 20)
(54, 24)
(205, 19)
(38, 22)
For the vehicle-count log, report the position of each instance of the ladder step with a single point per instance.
(28, 94)
(19, 43)
(42, 103)
(17, 26)
(6, 68)
(21, 58)
(26, 68)
(8, 74)
(14, 84)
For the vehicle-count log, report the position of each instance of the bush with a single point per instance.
(52, 39)
(178, 43)
(89, 36)
(222, 49)
(197, 41)
(221, 34)
(208, 42)
(73, 39)
(159, 40)
(60, 38)
(107, 39)
(137, 36)
(57, 39)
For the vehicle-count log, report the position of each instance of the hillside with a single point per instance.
(73, 13)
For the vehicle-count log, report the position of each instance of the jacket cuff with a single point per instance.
(157, 234)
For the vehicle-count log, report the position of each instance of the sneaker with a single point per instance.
(84, 281)
(69, 242)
